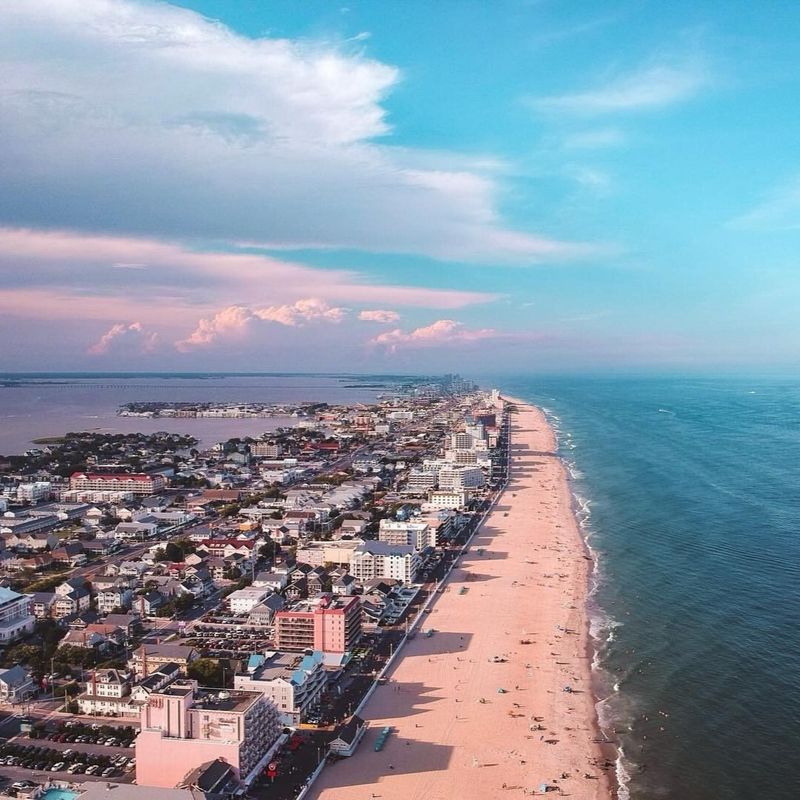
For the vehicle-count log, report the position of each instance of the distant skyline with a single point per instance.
(483, 187)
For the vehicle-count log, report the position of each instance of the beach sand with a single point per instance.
(454, 735)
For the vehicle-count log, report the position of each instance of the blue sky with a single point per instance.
(399, 186)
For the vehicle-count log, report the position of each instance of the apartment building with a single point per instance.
(382, 560)
(138, 483)
(328, 623)
(16, 616)
(293, 682)
(461, 477)
(418, 534)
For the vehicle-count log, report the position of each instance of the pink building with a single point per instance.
(330, 623)
(184, 727)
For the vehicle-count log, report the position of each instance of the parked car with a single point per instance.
(58, 766)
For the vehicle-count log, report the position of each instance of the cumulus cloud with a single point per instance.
(235, 321)
(379, 315)
(651, 86)
(125, 339)
(443, 332)
(170, 125)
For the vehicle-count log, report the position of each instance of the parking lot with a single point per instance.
(228, 639)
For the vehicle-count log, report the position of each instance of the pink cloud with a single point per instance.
(443, 332)
(379, 315)
(174, 283)
(236, 320)
(130, 337)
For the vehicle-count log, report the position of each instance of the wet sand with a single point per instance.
(520, 625)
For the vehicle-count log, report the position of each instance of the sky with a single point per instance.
(416, 186)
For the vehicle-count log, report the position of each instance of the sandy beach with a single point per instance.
(513, 619)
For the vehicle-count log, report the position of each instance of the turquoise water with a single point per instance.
(58, 794)
(689, 495)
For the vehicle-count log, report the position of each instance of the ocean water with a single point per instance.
(51, 404)
(689, 493)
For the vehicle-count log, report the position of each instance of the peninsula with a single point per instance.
(497, 701)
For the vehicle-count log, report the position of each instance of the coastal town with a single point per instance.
(237, 621)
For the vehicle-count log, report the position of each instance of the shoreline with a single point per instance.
(493, 702)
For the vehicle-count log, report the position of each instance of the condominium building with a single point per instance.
(331, 624)
(16, 616)
(461, 477)
(265, 450)
(446, 499)
(293, 682)
(418, 534)
(319, 553)
(382, 560)
(184, 727)
(138, 483)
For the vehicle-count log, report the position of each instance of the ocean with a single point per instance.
(689, 495)
(32, 407)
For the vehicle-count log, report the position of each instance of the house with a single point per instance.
(148, 604)
(108, 600)
(135, 530)
(348, 736)
(243, 601)
(163, 676)
(344, 584)
(70, 553)
(42, 604)
(297, 589)
(16, 685)
(318, 581)
(72, 597)
(149, 658)
(271, 580)
(88, 640)
(264, 612)
(107, 692)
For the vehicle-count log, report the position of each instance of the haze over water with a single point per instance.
(694, 513)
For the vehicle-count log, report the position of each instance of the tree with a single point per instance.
(173, 552)
(160, 555)
(207, 671)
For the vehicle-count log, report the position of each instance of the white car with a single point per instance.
(57, 767)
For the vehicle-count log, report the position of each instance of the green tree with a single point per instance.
(207, 671)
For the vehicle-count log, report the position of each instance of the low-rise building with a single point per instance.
(16, 617)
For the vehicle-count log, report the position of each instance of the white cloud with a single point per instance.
(652, 86)
(169, 125)
(125, 339)
(779, 210)
(443, 332)
(379, 315)
(594, 139)
(235, 321)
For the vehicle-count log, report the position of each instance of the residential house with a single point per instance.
(107, 691)
(111, 599)
(264, 612)
(149, 658)
(16, 684)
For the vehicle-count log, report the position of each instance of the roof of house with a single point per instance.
(347, 733)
